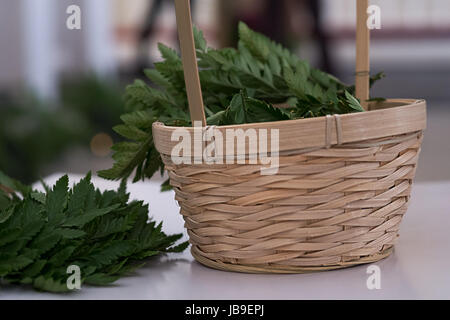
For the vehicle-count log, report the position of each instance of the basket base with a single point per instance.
(285, 269)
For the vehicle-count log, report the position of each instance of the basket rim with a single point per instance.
(388, 118)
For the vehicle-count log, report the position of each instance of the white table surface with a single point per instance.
(419, 268)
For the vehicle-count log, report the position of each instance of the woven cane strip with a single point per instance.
(326, 208)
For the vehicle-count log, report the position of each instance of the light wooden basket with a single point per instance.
(341, 191)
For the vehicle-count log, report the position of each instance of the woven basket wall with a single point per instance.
(336, 202)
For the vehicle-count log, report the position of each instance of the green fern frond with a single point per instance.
(101, 232)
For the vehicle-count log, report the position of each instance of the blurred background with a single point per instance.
(61, 90)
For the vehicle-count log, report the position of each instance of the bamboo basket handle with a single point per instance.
(362, 74)
(190, 66)
(189, 59)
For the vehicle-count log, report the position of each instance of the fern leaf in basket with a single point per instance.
(239, 85)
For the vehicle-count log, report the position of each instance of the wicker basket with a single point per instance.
(338, 198)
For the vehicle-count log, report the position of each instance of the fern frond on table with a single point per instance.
(103, 233)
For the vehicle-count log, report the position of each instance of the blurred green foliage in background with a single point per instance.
(35, 133)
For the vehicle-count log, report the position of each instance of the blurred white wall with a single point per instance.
(37, 47)
(11, 67)
(129, 15)
(407, 14)
(414, 32)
